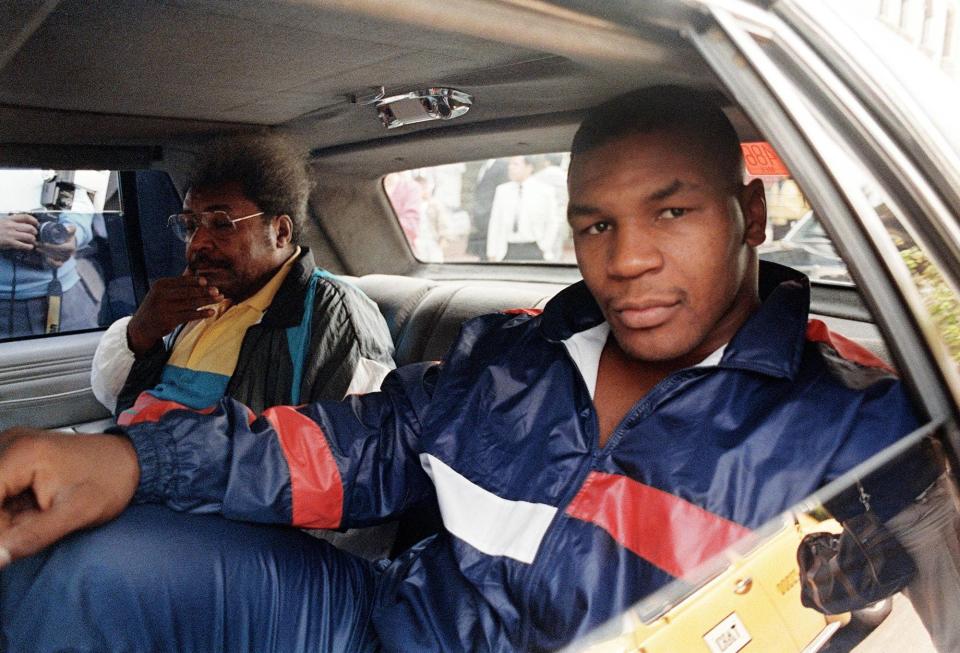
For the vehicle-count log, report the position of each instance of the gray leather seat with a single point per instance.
(425, 316)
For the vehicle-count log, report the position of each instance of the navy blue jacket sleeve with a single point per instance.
(323, 465)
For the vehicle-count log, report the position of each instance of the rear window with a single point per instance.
(513, 210)
(506, 210)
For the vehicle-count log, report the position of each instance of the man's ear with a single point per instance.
(753, 204)
(284, 229)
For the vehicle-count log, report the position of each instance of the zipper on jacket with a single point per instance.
(644, 406)
(639, 411)
(536, 571)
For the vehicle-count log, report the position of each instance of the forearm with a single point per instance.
(326, 465)
(185, 457)
(383, 475)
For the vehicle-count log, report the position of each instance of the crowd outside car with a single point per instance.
(489, 176)
(652, 415)
(463, 194)
(427, 203)
(551, 169)
(450, 221)
(524, 220)
(433, 218)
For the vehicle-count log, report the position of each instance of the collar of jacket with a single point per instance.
(286, 309)
(770, 342)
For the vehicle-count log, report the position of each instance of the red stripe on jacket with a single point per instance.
(532, 312)
(148, 408)
(817, 331)
(315, 480)
(665, 530)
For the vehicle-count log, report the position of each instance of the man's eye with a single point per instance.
(597, 228)
(672, 214)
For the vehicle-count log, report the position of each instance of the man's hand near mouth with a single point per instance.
(170, 302)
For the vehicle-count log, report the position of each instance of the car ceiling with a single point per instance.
(165, 72)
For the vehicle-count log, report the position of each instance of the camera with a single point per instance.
(50, 231)
(57, 193)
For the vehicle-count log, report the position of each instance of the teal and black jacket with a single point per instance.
(287, 359)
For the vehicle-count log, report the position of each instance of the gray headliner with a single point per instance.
(108, 84)
(162, 72)
(136, 83)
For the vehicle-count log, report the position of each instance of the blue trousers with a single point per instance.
(156, 580)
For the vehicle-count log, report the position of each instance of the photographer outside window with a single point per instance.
(44, 219)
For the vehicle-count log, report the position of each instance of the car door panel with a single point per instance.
(45, 382)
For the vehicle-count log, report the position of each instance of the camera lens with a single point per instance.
(53, 233)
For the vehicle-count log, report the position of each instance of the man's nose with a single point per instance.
(633, 253)
(202, 240)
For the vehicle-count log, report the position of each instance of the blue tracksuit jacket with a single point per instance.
(545, 533)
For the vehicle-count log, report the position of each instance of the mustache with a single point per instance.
(201, 261)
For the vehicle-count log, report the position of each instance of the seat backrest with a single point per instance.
(396, 296)
(425, 316)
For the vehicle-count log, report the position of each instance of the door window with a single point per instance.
(66, 264)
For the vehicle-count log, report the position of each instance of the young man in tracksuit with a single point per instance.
(652, 415)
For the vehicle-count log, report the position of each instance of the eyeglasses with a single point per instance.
(219, 223)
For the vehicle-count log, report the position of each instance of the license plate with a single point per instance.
(728, 636)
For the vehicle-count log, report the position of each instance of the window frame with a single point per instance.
(816, 124)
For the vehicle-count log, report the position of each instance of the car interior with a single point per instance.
(133, 89)
(183, 72)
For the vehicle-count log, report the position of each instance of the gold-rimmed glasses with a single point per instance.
(219, 223)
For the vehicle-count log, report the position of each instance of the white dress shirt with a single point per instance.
(523, 212)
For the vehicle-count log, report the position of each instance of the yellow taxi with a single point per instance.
(748, 596)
